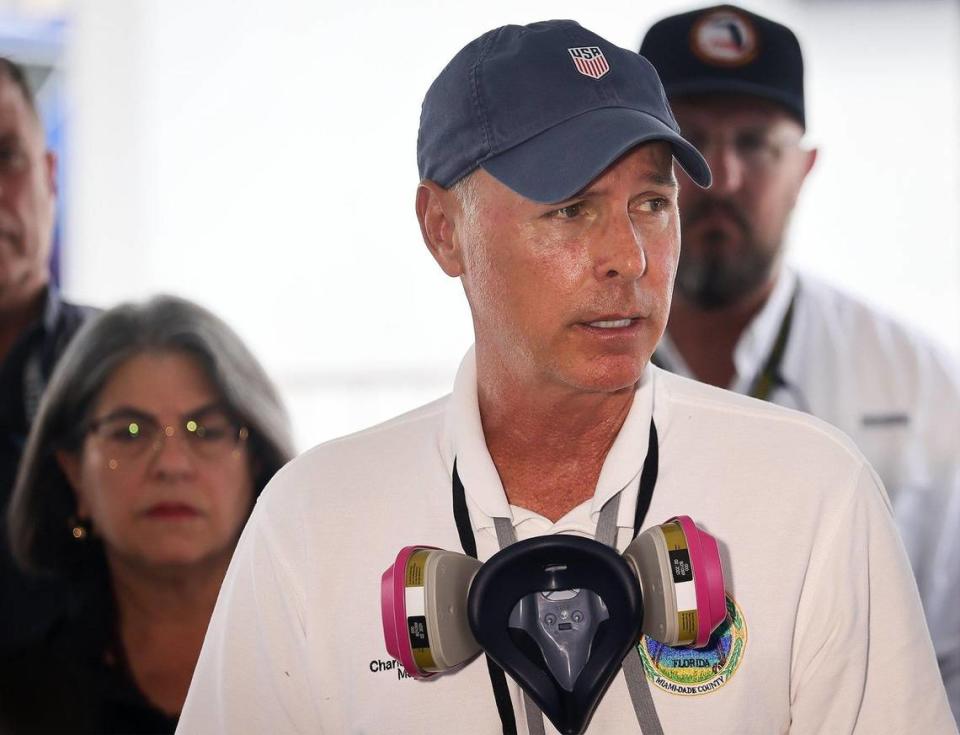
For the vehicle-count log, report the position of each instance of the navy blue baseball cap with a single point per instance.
(545, 109)
(725, 49)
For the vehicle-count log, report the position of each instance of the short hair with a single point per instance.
(16, 74)
(43, 502)
(465, 190)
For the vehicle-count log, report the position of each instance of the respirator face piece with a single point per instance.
(522, 608)
(558, 613)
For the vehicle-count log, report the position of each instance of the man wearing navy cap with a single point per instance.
(546, 158)
(742, 319)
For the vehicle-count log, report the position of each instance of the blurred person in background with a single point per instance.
(35, 323)
(741, 319)
(155, 436)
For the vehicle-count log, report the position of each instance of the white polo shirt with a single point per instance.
(898, 399)
(825, 635)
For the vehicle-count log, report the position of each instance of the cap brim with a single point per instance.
(557, 163)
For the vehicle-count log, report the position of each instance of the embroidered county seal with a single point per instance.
(692, 671)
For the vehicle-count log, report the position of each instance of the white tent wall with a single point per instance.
(260, 159)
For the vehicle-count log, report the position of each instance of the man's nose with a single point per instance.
(620, 250)
(727, 169)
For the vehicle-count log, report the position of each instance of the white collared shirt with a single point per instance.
(826, 631)
(898, 399)
(486, 498)
(754, 346)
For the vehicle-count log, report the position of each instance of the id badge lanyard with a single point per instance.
(607, 534)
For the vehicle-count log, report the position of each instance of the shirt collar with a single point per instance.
(46, 323)
(755, 344)
(51, 308)
(484, 491)
(37, 336)
(669, 357)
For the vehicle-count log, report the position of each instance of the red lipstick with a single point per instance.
(172, 511)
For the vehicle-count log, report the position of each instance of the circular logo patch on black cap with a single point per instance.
(724, 38)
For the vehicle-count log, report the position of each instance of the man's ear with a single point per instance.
(811, 159)
(804, 167)
(435, 212)
(70, 466)
(51, 163)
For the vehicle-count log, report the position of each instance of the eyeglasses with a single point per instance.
(211, 434)
(757, 149)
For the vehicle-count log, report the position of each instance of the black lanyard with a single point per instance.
(648, 480)
(770, 376)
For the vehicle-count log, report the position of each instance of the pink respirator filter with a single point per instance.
(707, 579)
(393, 612)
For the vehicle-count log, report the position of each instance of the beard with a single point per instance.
(713, 277)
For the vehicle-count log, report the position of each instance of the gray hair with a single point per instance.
(465, 190)
(43, 502)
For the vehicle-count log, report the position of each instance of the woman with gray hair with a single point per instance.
(155, 435)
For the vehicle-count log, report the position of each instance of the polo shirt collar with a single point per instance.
(755, 344)
(486, 498)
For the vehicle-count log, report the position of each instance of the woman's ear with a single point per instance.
(436, 214)
(69, 463)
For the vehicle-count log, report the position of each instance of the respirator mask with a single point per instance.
(558, 613)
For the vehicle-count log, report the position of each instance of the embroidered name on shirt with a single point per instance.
(379, 665)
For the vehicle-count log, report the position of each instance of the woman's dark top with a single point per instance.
(74, 679)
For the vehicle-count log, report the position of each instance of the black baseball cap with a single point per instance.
(727, 49)
(545, 109)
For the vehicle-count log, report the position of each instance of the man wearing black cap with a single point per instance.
(547, 187)
(741, 319)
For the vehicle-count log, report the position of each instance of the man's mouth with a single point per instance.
(611, 323)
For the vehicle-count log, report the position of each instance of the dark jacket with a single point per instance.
(28, 606)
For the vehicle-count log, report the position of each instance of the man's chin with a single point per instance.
(609, 374)
(710, 300)
(713, 289)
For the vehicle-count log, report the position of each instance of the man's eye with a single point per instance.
(568, 212)
(656, 204)
(9, 155)
(751, 143)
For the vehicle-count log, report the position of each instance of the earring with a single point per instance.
(77, 528)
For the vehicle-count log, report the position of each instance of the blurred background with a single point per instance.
(260, 158)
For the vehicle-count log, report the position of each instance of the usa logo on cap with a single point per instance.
(589, 61)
